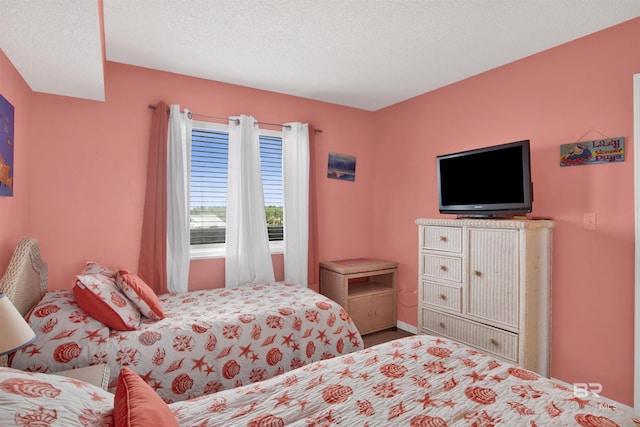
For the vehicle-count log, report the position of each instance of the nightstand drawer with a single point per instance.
(443, 267)
(486, 338)
(447, 239)
(448, 297)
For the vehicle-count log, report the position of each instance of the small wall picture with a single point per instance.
(6, 147)
(610, 150)
(342, 166)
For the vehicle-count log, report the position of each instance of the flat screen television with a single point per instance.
(486, 182)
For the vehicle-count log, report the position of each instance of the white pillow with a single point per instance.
(28, 398)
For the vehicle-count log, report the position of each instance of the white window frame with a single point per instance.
(219, 250)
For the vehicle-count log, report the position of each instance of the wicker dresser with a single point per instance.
(487, 283)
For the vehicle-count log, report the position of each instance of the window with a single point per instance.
(208, 188)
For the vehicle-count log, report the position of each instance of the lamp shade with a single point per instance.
(15, 332)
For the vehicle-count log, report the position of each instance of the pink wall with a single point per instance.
(15, 211)
(89, 162)
(551, 98)
(82, 165)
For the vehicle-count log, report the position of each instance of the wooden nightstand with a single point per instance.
(366, 288)
(95, 374)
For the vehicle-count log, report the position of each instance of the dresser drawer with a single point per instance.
(446, 239)
(486, 338)
(442, 267)
(448, 297)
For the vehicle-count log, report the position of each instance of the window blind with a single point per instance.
(209, 158)
(271, 168)
(208, 193)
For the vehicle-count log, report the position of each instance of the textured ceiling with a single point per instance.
(55, 45)
(367, 54)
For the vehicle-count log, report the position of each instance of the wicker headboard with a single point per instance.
(25, 280)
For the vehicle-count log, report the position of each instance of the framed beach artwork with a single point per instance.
(6, 147)
(341, 166)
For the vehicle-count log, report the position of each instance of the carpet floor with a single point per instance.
(383, 336)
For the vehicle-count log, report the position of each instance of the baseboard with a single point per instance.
(407, 327)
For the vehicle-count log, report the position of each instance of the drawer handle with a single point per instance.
(443, 297)
(443, 238)
(441, 325)
(443, 268)
(494, 342)
(477, 273)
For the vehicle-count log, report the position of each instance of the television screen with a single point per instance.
(486, 181)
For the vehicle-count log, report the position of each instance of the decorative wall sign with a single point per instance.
(608, 150)
(342, 166)
(6, 147)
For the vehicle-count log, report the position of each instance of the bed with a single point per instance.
(204, 342)
(415, 381)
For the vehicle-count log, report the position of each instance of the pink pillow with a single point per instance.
(140, 294)
(137, 404)
(99, 297)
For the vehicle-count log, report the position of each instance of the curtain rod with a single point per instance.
(153, 107)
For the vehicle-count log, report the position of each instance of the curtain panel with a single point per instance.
(313, 280)
(153, 241)
(248, 257)
(295, 172)
(178, 167)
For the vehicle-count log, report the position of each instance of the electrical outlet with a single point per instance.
(589, 221)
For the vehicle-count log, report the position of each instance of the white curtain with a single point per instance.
(295, 171)
(248, 258)
(178, 172)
